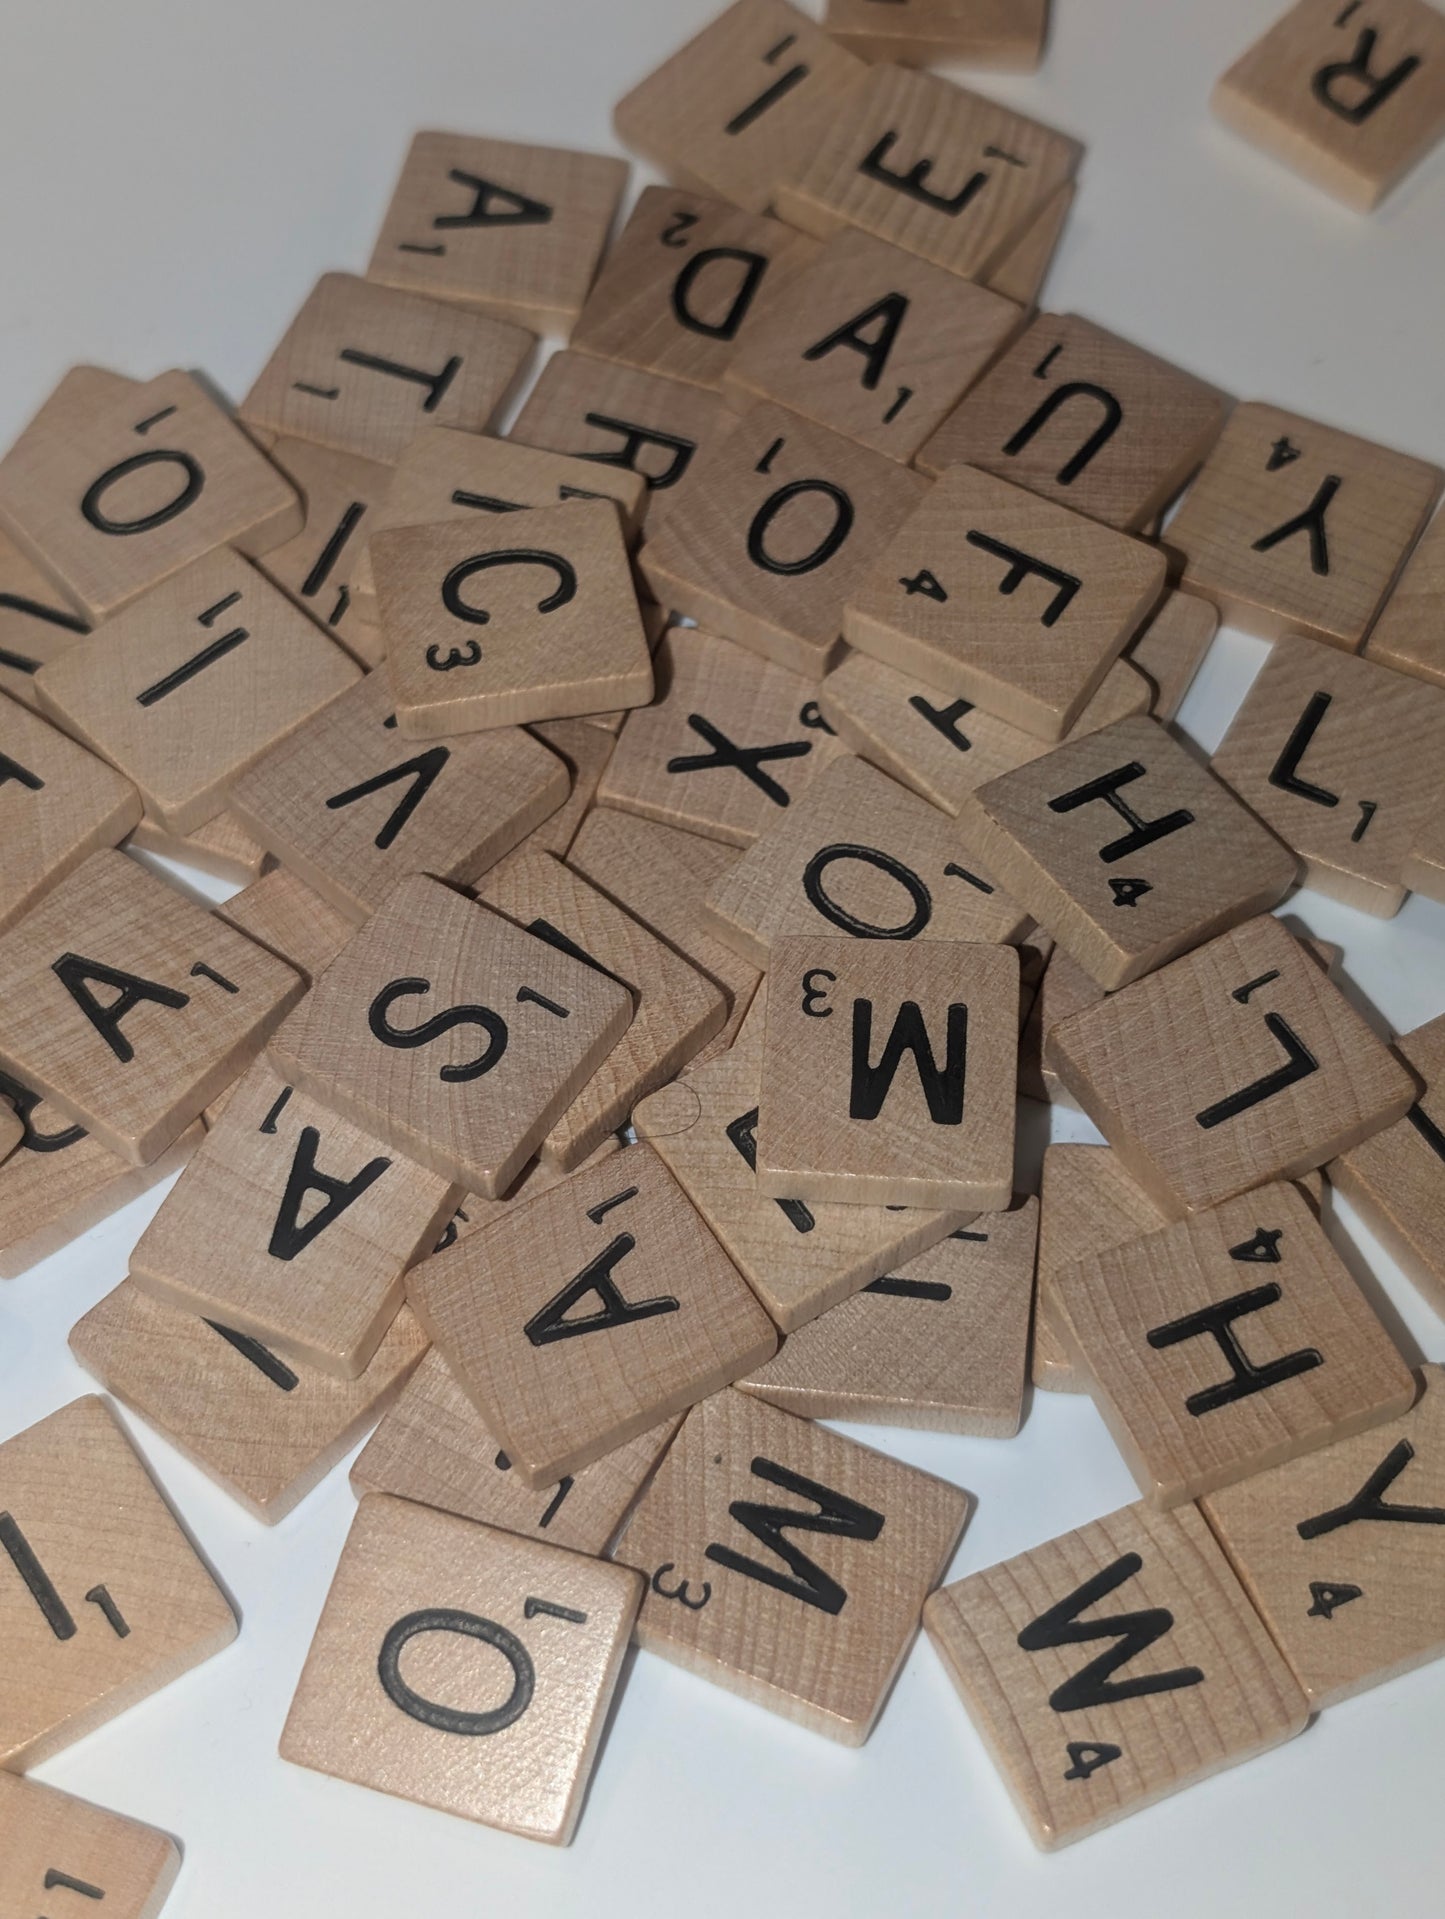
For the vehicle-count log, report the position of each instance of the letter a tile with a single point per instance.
(1343, 759)
(103, 1599)
(940, 1343)
(889, 1072)
(1112, 1667)
(131, 1007)
(293, 1226)
(588, 1315)
(1227, 1344)
(53, 1847)
(452, 1034)
(1238, 1064)
(1349, 96)
(1127, 849)
(416, 1597)
(1006, 599)
(1343, 1552)
(739, 1592)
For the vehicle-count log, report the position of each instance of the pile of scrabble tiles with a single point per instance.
(672, 833)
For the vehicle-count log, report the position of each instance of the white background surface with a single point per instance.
(176, 174)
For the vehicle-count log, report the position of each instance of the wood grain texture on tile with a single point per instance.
(37, 622)
(432, 1447)
(1237, 1064)
(1351, 98)
(280, 912)
(107, 1600)
(584, 1318)
(433, 994)
(1293, 528)
(294, 1227)
(321, 567)
(730, 742)
(54, 1848)
(779, 526)
(1008, 34)
(1086, 419)
(1019, 274)
(1345, 760)
(943, 600)
(414, 1590)
(1410, 632)
(1065, 989)
(513, 229)
(265, 1429)
(1077, 1747)
(1424, 870)
(1171, 649)
(362, 367)
(351, 806)
(929, 1121)
(739, 107)
(1349, 1601)
(942, 1343)
(871, 342)
(130, 1006)
(735, 1596)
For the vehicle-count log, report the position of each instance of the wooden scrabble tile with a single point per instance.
(615, 1257)
(266, 1429)
(513, 229)
(58, 1181)
(561, 1621)
(293, 1226)
(1088, 1204)
(58, 804)
(475, 1213)
(942, 600)
(800, 1260)
(1127, 849)
(1409, 634)
(1205, 1371)
(111, 493)
(351, 806)
(1075, 1748)
(778, 528)
(55, 1850)
(945, 749)
(1084, 418)
(1171, 649)
(618, 417)
(675, 1009)
(729, 743)
(938, 171)
(1352, 97)
(919, 33)
(363, 366)
(446, 475)
(432, 1447)
(584, 750)
(688, 284)
(193, 682)
(716, 1535)
(1424, 871)
(859, 854)
(661, 875)
(370, 1039)
(321, 567)
(492, 622)
(872, 342)
(1396, 1180)
(109, 1601)
(37, 623)
(281, 912)
(836, 1124)
(738, 109)
(1021, 272)
(1293, 528)
(130, 1006)
(942, 1343)
(1349, 1603)
(221, 847)
(1237, 1064)
(1342, 758)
